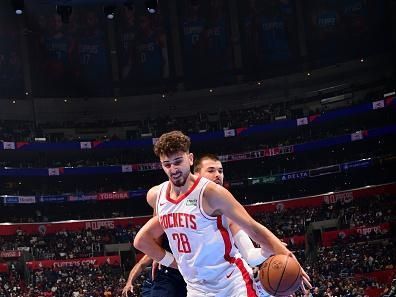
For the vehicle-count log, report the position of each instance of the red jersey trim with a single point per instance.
(251, 292)
(182, 196)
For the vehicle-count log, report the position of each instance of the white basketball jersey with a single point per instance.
(202, 245)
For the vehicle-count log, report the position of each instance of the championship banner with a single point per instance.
(229, 133)
(242, 156)
(95, 261)
(126, 168)
(10, 254)
(378, 104)
(359, 135)
(8, 145)
(302, 121)
(281, 150)
(272, 152)
(146, 166)
(85, 145)
(53, 171)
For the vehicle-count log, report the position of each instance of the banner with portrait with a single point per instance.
(142, 44)
(11, 70)
(205, 39)
(69, 55)
(268, 32)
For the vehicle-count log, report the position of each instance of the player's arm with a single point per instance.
(147, 239)
(251, 254)
(134, 273)
(219, 201)
(151, 198)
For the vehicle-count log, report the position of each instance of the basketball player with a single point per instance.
(166, 282)
(193, 212)
(134, 273)
(209, 166)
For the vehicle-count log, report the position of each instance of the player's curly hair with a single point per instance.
(172, 142)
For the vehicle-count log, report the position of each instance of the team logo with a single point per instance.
(42, 229)
(277, 265)
(280, 207)
(191, 202)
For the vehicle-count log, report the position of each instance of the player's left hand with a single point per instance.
(128, 288)
(305, 279)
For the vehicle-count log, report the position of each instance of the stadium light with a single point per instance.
(18, 6)
(152, 6)
(109, 11)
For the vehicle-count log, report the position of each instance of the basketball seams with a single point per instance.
(283, 272)
(268, 273)
(294, 282)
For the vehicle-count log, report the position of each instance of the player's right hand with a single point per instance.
(128, 288)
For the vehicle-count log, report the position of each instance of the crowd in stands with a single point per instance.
(283, 222)
(331, 268)
(232, 145)
(286, 223)
(348, 287)
(78, 281)
(13, 130)
(342, 259)
(68, 244)
(84, 280)
(370, 212)
(12, 285)
(16, 130)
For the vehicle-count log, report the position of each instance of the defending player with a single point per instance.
(209, 166)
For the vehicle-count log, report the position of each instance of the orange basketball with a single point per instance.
(280, 275)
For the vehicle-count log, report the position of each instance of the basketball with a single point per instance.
(280, 275)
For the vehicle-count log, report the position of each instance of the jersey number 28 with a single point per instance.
(183, 245)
